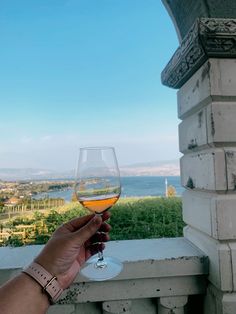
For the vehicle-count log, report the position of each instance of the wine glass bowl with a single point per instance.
(98, 188)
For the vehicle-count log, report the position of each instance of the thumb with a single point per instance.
(83, 234)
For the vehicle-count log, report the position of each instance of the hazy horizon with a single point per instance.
(136, 164)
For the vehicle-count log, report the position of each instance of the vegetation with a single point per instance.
(26, 189)
(132, 218)
(171, 191)
(147, 218)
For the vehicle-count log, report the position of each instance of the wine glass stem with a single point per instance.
(100, 256)
(100, 262)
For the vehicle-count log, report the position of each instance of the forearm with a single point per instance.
(23, 295)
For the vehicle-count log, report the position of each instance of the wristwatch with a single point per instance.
(47, 281)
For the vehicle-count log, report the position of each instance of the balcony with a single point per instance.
(159, 276)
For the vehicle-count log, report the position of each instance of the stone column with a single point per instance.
(204, 70)
(172, 305)
(117, 307)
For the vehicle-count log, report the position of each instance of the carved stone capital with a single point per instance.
(208, 38)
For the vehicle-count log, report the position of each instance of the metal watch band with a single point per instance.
(48, 282)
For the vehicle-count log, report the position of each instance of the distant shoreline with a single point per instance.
(135, 186)
(154, 168)
(69, 179)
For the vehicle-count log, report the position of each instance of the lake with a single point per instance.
(131, 186)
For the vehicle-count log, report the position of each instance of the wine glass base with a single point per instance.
(112, 268)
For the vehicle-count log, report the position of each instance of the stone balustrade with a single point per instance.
(164, 275)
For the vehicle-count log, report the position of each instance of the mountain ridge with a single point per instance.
(153, 168)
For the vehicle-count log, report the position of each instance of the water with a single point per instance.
(131, 186)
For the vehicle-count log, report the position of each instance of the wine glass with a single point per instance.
(98, 188)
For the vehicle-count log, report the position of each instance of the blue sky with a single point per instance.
(85, 73)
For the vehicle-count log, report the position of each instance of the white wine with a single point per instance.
(98, 205)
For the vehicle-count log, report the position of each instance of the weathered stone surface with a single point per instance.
(221, 126)
(144, 306)
(213, 300)
(205, 170)
(220, 267)
(204, 68)
(196, 92)
(193, 132)
(197, 211)
(117, 307)
(88, 308)
(210, 170)
(212, 126)
(230, 156)
(229, 303)
(232, 246)
(62, 309)
(211, 213)
(172, 305)
(213, 82)
(219, 303)
(152, 268)
(136, 289)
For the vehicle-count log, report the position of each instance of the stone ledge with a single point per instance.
(84, 292)
(221, 272)
(165, 257)
(168, 267)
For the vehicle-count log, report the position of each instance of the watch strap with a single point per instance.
(47, 281)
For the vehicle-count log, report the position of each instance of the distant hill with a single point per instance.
(16, 174)
(155, 168)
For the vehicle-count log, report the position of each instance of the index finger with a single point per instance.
(79, 222)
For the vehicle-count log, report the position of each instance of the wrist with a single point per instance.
(22, 294)
(34, 287)
(48, 282)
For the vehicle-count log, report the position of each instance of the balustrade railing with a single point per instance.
(160, 276)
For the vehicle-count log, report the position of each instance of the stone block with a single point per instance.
(232, 246)
(214, 81)
(224, 217)
(172, 305)
(222, 77)
(61, 309)
(197, 211)
(193, 132)
(195, 93)
(205, 170)
(230, 157)
(88, 308)
(211, 213)
(217, 302)
(139, 288)
(221, 126)
(212, 126)
(220, 261)
(229, 303)
(117, 307)
(140, 306)
(213, 300)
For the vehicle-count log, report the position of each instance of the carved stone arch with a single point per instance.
(185, 12)
(206, 29)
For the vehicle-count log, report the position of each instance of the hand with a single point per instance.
(72, 244)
